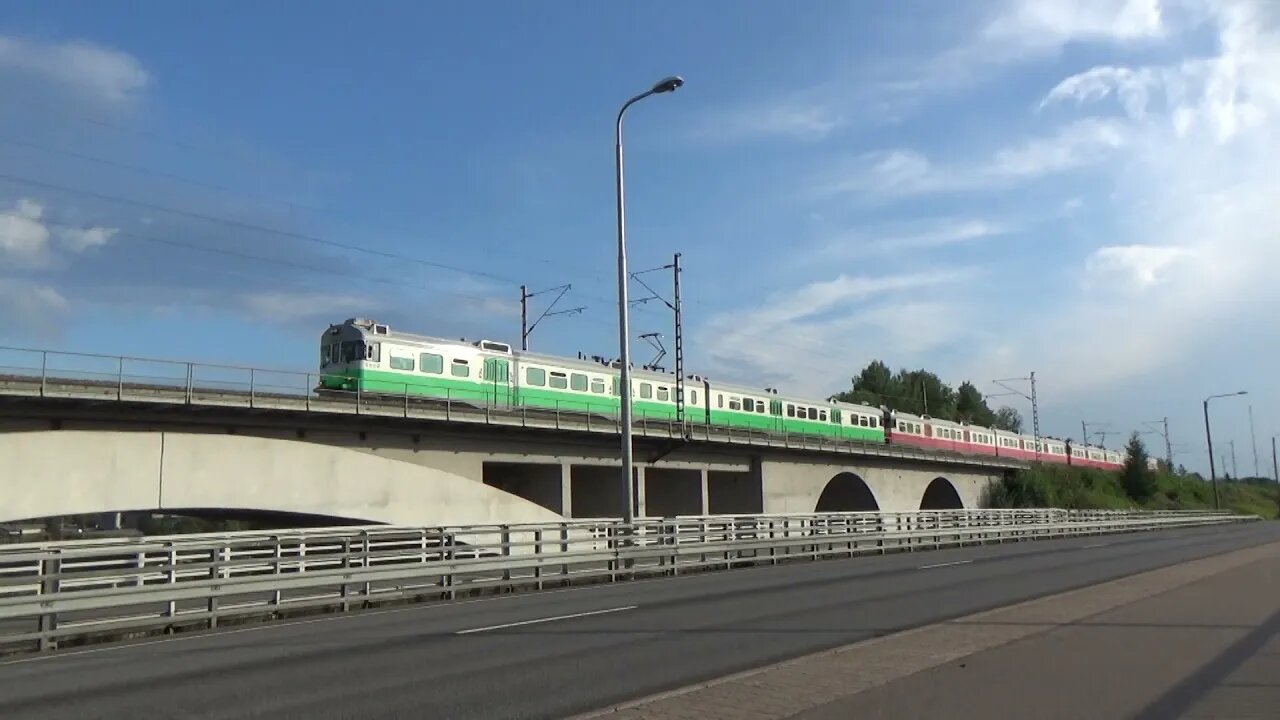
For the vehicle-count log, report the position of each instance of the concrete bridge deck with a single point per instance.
(144, 440)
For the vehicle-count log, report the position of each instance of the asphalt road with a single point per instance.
(552, 654)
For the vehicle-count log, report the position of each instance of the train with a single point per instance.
(365, 356)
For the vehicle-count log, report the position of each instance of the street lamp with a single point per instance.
(624, 331)
(1208, 436)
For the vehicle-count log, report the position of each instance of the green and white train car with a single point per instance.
(369, 356)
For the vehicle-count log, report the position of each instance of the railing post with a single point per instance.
(252, 386)
(50, 584)
(190, 373)
(506, 551)
(358, 399)
(346, 565)
(406, 399)
(44, 370)
(307, 390)
(537, 550)
(448, 405)
(171, 579)
(119, 378)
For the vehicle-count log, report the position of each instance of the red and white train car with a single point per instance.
(935, 434)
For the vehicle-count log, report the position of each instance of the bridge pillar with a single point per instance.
(640, 486)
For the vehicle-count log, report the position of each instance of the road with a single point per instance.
(552, 654)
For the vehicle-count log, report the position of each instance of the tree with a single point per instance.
(971, 407)
(1139, 482)
(1006, 418)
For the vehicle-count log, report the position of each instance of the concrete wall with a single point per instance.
(674, 492)
(733, 493)
(67, 472)
(543, 483)
(797, 487)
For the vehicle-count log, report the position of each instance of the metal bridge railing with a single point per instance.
(80, 590)
(85, 376)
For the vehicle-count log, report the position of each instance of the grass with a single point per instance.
(1088, 488)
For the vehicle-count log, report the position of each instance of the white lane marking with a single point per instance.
(946, 564)
(545, 620)
(1095, 545)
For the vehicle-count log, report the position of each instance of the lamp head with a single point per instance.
(668, 84)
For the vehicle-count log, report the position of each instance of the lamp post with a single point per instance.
(624, 330)
(1208, 436)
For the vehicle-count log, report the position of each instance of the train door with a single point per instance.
(497, 372)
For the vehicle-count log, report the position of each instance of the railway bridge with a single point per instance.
(163, 436)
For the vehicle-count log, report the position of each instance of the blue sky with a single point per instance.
(1082, 188)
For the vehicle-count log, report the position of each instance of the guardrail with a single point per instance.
(167, 383)
(61, 592)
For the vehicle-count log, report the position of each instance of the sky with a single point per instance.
(1080, 188)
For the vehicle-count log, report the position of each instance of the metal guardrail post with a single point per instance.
(120, 379)
(537, 550)
(252, 387)
(190, 373)
(44, 370)
(171, 578)
(211, 601)
(50, 585)
(307, 390)
(505, 536)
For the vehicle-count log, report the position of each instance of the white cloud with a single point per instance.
(898, 173)
(1047, 24)
(912, 235)
(1195, 211)
(25, 236)
(806, 340)
(1141, 266)
(284, 307)
(24, 240)
(100, 73)
(782, 119)
(81, 239)
(31, 307)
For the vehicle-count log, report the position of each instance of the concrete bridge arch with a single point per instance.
(846, 492)
(70, 472)
(941, 494)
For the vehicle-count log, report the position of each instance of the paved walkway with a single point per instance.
(1196, 640)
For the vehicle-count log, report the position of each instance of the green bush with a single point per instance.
(1063, 486)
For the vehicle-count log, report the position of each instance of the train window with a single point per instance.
(646, 392)
(348, 352)
(693, 397)
(813, 413)
(578, 382)
(536, 377)
(864, 421)
(822, 415)
(373, 352)
(597, 386)
(664, 394)
(559, 381)
(324, 354)
(791, 410)
(760, 407)
(734, 404)
(460, 368)
(719, 400)
(401, 363)
(431, 363)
